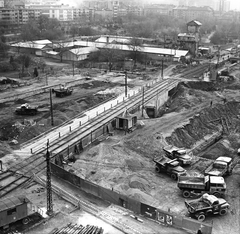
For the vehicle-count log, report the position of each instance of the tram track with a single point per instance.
(21, 172)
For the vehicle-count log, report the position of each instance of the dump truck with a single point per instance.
(222, 166)
(181, 155)
(26, 109)
(206, 205)
(62, 91)
(170, 167)
(192, 186)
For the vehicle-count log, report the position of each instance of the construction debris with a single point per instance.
(74, 228)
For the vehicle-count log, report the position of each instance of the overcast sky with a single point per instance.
(235, 4)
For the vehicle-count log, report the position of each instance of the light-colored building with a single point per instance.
(190, 39)
(1, 3)
(160, 9)
(222, 5)
(189, 13)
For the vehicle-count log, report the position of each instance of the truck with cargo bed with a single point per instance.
(222, 166)
(62, 91)
(192, 186)
(206, 205)
(181, 155)
(170, 167)
(26, 109)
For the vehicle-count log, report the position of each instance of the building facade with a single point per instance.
(189, 13)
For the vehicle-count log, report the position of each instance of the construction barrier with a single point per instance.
(162, 217)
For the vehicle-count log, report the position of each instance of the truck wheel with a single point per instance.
(223, 212)
(174, 176)
(157, 169)
(208, 212)
(201, 217)
(216, 194)
(25, 220)
(186, 194)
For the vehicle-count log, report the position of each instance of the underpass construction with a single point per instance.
(202, 117)
(78, 132)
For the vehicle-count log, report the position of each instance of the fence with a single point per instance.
(160, 216)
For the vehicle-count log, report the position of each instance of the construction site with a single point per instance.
(102, 140)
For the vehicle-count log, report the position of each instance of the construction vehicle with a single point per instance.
(222, 166)
(192, 186)
(180, 154)
(26, 109)
(62, 91)
(207, 205)
(13, 209)
(170, 167)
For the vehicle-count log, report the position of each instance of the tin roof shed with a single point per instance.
(12, 202)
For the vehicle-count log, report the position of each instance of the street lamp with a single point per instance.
(51, 107)
(125, 83)
(161, 66)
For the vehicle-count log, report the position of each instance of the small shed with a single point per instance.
(126, 121)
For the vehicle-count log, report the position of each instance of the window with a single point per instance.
(10, 212)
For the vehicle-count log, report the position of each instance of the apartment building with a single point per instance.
(189, 13)
(160, 9)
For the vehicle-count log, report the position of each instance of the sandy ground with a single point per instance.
(130, 156)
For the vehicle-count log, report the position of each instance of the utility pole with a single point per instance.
(162, 70)
(125, 83)
(51, 107)
(142, 100)
(73, 68)
(49, 184)
(46, 79)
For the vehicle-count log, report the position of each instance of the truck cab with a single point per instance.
(221, 166)
(181, 155)
(192, 186)
(62, 91)
(206, 205)
(170, 167)
(216, 185)
(26, 109)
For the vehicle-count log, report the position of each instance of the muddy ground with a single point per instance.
(124, 162)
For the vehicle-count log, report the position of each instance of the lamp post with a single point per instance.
(161, 66)
(51, 107)
(125, 83)
(73, 67)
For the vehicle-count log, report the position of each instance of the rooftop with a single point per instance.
(11, 202)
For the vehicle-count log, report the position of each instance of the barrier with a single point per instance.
(162, 217)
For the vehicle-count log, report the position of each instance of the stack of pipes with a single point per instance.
(78, 229)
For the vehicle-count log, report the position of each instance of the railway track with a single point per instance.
(195, 72)
(21, 172)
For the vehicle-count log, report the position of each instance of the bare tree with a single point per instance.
(62, 47)
(136, 46)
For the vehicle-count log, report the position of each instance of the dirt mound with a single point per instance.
(4, 149)
(207, 122)
(111, 165)
(141, 196)
(186, 96)
(201, 85)
(139, 182)
(21, 101)
(225, 147)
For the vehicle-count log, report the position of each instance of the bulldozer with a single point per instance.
(62, 91)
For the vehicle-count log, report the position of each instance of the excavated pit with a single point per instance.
(219, 118)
